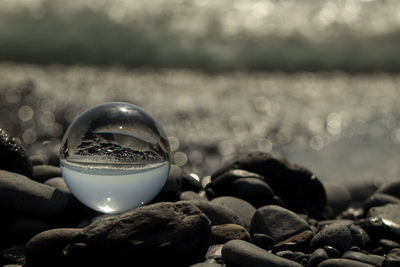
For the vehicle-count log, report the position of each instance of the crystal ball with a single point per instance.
(115, 157)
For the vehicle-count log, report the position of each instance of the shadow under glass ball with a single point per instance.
(115, 157)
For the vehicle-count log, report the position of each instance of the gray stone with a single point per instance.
(343, 263)
(338, 196)
(277, 222)
(59, 183)
(359, 236)
(318, 256)
(205, 264)
(391, 188)
(335, 235)
(221, 234)
(390, 212)
(379, 199)
(190, 195)
(362, 257)
(241, 207)
(23, 195)
(253, 190)
(240, 253)
(392, 259)
(42, 173)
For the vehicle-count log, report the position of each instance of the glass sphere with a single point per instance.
(115, 157)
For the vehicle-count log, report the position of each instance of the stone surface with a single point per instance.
(359, 236)
(221, 234)
(263, 241)
(42, 173)
(318, 256)
(12, 255)
(374, 260)
(46, 248)
(241, 207)
(391, 188)
(338, 196)
(379, 199)
(190, 195)
(253, 190)
(379, 228)
(335, 235)
(300, 189)
(171, 232)
(13, 156)
(277, 222)
(22, 195)
(343, 263)
(205, 264)
(390, 212)
(392, 259)
(240, 253)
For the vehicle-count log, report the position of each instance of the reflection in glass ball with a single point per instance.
(115, 157)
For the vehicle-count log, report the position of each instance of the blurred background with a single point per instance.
(315, 81)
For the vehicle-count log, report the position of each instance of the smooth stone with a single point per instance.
(390, 188)
(13, 157)
(392, 259)
(287, 254)
(322, 224)
(59, 183)
(379, 228)
(240, 253)
(23, 195)
(223, 233)
(361, 188)
(223, 183)
(190, 195)
(377, 200)
(17, 230)
(188, 183)
(38, 159)
(172, 187)
(299, 188)
(277, 222)
(359, 236)
(214, 252)
(390, 212)
(263, 241)
(318, 256)
(338, 196)
(174, 232)
(217, 214)
(241, 207)
(296, 242)
(332, 252)
(42, 173)
(388, 244)
(206, 264)
(253, 190)
(45, 249)
(343, 263)
(362, 257)
(335, 235)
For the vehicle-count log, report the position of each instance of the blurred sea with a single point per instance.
(288, 35)
(315, 81)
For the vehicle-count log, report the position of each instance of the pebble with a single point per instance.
(13, 156)
(390, 212)
(223, 233)
(338, 196)
(359, 236)
(174, 232)
(318, 256)
(390, 188)
(379, 228)
(206, 264)
(190, 195)
(300, 189)
(214, 252)
(392, 259)
(277, 222)
(253, 190)
(240, 253)
(343, 263)
(23, 195)
(42, 173)
(241, 207)
(263, 241)
(380, 199)
(374, 260)
(335, 235)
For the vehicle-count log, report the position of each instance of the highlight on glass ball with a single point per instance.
(115, 157)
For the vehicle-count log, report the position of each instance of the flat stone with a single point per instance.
(174, 232)
(300, 189)
(240, 253)
(277, 222)
(374, 260)
(338, 196)
(42, 173)
(337, 236)
(253, 190)
(45, 249)
(13, 156)
(22, 195)
(319, 255)
(221, 234)
(241, 207)
(343, 263)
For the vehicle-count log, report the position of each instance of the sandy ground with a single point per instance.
(340, 126)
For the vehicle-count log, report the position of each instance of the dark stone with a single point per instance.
(253, 190)
(190, 195)
(223, 233)
(361, 188)
(240, 253)
(392, 259)
(13, 156)
(379, 228)
(171, 232)
(42, 173)
(18, 230)
(172, 187)
(343, 263)
(263, 241)
(374, 260)
(338, 196)
(12, 255)
(46, 248)
(390, 188)
(277, 222)
(332, 252)
(318, 256)
(217, 214)
(287, 254)
(390, 212)
(298, 242)
(241, 207)
(222, 184)
(335, 235)
(377, 200)
(300, 189)
(22, 195)
(388, 244)
(189, 183)
(359, 236)
(301, 258)
(206, 264)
